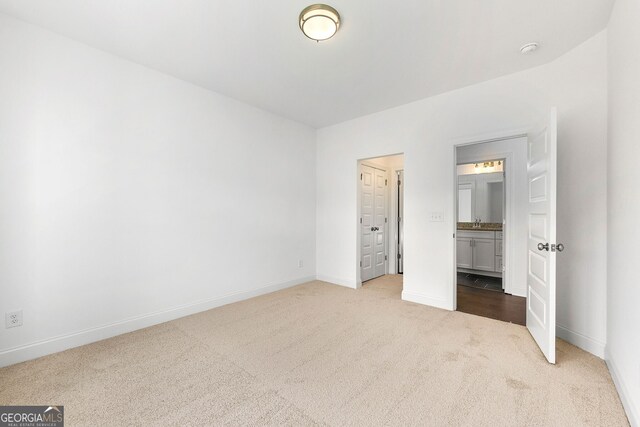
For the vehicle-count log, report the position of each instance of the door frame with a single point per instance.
(396, 203)
(509, 191)
(394, 227)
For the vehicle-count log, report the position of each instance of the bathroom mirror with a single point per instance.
(481, 196)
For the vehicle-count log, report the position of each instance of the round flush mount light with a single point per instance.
(529, 48)
(319, 22)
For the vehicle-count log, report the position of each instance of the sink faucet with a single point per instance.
(476, 223)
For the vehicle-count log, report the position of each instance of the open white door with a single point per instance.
(373, 222)
(541, 250)
(367, 219)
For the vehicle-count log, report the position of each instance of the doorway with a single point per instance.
(530, 215)
(487, 219)
(380, 206)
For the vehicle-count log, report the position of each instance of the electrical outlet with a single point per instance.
(13, 319)
(300, 263)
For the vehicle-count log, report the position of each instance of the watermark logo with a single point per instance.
(31, 416)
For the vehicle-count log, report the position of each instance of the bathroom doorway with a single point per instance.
(487, 178)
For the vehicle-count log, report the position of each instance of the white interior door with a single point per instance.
(373, 223)
(367, 183)
(541, 276)
(380, 223)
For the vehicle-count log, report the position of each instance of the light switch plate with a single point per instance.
(436, 216)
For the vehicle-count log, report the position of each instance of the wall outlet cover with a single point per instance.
(13, 319)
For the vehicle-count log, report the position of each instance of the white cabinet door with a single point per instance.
(464, 252)
(484, 254)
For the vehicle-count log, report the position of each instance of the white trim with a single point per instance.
(75, 339)
(392, 247)
(396, 214)
(492, 136)
(349, 283)
(426, 300)
(633, 413)
(584, 342)
(454, 276)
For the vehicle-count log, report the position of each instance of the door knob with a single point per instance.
(543, 247)
(559, 247)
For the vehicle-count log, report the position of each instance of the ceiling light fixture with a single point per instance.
(528, 48)
(319, 22)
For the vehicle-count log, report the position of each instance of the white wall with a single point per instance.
(623, 299)
(425, 131)
(126, 194)
(516, 231)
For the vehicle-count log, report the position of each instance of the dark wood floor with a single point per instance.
(496, 305)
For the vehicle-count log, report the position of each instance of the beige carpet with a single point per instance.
(321, 354)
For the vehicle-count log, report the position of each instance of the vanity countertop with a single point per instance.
(484, 226)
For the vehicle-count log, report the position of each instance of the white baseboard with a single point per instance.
(584, 342)
(426, 300)
(336, 281)
(633, 413)
(75, 339)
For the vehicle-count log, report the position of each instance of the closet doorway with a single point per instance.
(380, 206)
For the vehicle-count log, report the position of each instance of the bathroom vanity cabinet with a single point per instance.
(480, 250)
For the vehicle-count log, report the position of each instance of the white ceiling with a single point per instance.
(385, 54)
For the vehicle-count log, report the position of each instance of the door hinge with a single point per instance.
(385, 182)
(360, 263)
(385, 220)
(385, 258)
(360, 177)
(399, 256)
(360, 220)
(399, 182)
